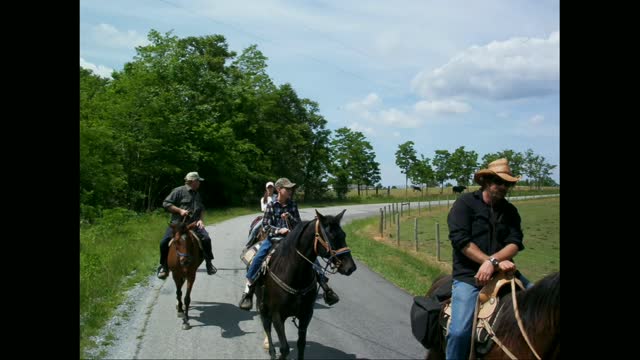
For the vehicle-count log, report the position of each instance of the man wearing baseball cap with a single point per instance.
(184, 201)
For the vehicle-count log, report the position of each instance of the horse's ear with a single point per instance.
(339, 216)
(320, 216)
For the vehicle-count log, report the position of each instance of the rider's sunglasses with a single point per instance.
(500, 181)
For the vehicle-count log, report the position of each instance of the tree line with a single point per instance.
(460, 165)
(191, 104)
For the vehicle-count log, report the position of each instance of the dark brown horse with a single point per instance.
(290, 286)
(185, 256)
(539, 310)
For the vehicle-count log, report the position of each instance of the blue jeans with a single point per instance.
(463, 302)
(254, 268)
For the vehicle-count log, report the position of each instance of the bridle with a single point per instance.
(321, 238)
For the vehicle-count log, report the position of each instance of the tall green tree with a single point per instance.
(353, 161)
(406, 159)
(462, 165)
(442, 167)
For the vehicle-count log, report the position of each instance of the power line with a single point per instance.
(323, 62)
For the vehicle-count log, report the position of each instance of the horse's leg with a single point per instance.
(187, 299)
(266, 325)
(179, 280)
(304, 321)
(278, 324)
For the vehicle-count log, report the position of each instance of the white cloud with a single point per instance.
(536, 126)
(504, 114)
(363, 129)
(364, 107)
(511, 69)
(108, 35)
(97, 69)
(536, 120)
(448, 106)
(397, 118)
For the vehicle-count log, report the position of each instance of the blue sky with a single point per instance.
(443, 74)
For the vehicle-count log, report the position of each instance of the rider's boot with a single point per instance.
(163, 271)
(246, 303)
(210, 268)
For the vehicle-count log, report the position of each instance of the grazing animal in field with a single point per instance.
(459, 189)
(416, 188)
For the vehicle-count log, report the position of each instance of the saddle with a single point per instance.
(195, 236)
(250, 252)
(488, 303)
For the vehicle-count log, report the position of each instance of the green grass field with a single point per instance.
(414, 271)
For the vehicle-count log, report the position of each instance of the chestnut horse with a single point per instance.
(290, 286)
(185, 256)
(539, 311)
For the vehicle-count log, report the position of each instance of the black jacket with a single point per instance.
(470, 219)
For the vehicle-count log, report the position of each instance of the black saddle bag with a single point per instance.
(425, 313)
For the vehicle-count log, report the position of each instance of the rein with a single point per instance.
(495, 339)
(320, 237)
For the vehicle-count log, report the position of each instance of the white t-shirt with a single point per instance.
(263, 205)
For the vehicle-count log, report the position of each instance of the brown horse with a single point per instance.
(539, 310)
(185, 256)
(290, 286)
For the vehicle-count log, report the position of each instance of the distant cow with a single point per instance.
(459, 189)
(416, 188)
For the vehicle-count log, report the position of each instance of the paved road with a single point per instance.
(370, 321)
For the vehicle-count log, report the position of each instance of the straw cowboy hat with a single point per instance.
(499, 168)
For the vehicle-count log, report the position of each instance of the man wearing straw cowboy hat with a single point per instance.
(485, 233)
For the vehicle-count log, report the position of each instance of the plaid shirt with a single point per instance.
(272, 220)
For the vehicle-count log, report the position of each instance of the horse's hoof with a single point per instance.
(180, 315)
(265, 343)
(186, 326)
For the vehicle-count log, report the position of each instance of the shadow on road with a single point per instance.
(226, 316)
(316, 350)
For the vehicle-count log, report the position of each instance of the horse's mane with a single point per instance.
(539, 309)
(285, 253)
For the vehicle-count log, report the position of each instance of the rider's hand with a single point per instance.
(184, 212)
(199, 224)
(284, 216)
(484, 273)
(507, 266)
(283, 231)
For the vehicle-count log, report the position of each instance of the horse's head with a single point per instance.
(337, 250)
(182, 240)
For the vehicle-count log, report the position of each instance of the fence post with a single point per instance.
(409, 205)
(398, 232)
(393, 212)
(438, 241)
(381, 221)
(384, 217)
(415, 233)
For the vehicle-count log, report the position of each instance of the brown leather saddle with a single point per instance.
(488, 302)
